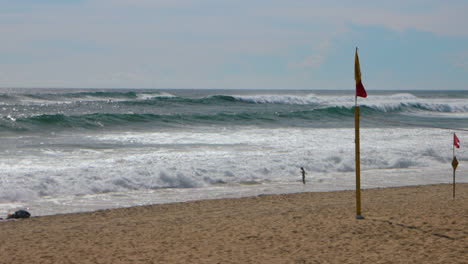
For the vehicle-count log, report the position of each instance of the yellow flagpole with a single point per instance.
(358, 163)
(359, 92)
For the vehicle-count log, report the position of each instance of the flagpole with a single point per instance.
(358, 162)
(453, 189)
(360, 91)
(454, 165)
(453, 145)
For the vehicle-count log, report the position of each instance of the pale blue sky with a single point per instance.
(256, 44)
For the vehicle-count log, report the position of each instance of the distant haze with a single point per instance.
(260, 44)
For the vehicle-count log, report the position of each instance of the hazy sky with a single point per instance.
(260, 44)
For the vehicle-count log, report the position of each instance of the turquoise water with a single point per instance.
(38, 111)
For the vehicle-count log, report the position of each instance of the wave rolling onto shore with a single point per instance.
(69, 150)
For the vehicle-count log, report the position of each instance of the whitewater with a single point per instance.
(74, 150)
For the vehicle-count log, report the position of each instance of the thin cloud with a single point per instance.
(318, 56)
(441, 18)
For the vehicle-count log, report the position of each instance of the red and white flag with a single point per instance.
(456, 141)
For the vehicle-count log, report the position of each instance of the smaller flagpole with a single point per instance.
(454, 165)
(453, 189)
(453, 145)
(456, 143)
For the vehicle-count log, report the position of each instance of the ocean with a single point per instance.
(74, 150)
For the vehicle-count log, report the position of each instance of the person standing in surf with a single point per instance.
(303, 175)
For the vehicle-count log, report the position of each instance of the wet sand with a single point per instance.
(418, 224)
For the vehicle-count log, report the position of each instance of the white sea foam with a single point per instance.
(279, 99)
(146, 96)
(384, 103)
(188, 159)
(78, 97)
(69, 170)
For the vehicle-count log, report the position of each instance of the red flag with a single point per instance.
(360, 91)
(456, 141)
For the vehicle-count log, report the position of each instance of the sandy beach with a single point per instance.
(418, 224)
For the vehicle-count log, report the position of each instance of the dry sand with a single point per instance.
(420, 224)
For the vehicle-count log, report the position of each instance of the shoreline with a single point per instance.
(51, 205)
(411, 224)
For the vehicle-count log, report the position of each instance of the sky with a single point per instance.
(234, 44)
